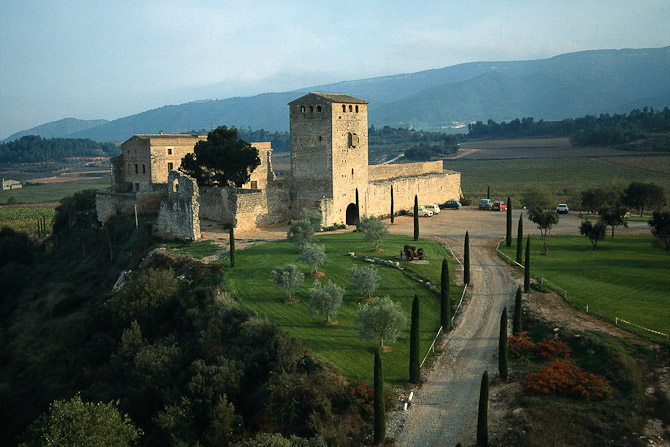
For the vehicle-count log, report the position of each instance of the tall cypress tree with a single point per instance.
(358, 209)
(488, 192)
(526, 269)
(414, 362)
(416, 218)
(466, 259)
(232, 246)
(519, 240)
(502, 346)
(518, 313)
(508, 238)
(379, 406)
(392, 210)
(483, 415)
(445, 299)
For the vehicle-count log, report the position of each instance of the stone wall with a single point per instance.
(178, 216)
(108, 203)
(385, 172)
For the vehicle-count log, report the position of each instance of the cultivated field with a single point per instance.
(25, 219)
(52, 192)
(251, 282)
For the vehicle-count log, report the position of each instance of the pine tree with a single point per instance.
(392, 210)
(526, 269)
(518, 313)
(379, 406)
(508, 238)
(502, 346)
(466, 259)
(445, 299)
(482, 419)
(416, 218)
(232, 246)
(414, 362)
(519, 240)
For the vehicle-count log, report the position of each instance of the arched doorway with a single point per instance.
(351, 214)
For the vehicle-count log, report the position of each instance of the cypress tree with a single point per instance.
(416, 218)
(392, 210)
(488, 192)
(466, 259)
(519, 239)
(508, 238)
(445, 299)
(483, 416)
(379, 406)
(502, 346)
(518, 312)
(414, 362)
(526, 269)
(232, 246)
(358, 210)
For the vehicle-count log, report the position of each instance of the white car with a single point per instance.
(432, 207)
(562, 208)
(423, 212)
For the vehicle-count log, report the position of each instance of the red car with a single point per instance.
(499, 205)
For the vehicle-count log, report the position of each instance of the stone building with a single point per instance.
(329, 173)
(10, 184)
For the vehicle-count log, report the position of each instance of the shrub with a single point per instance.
(552, 349)
(564, 377)
(520, 345)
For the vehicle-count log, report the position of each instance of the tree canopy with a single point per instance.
(640, 195)
(594, 231)
(221, 160)
(374, 230)
(326, 299)
(382, 319)
(660, 228)
(545, 221)
(364, 279)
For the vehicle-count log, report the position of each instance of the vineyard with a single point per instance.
(25, 219)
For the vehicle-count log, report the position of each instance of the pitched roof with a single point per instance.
(332, 97)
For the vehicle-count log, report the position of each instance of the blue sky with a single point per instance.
(91, 59)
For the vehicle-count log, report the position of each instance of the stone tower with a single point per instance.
(329, 155)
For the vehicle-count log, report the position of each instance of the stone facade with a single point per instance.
(329, 172)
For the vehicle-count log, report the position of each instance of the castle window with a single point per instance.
(311, 109)
(318, 108)
(344, 108)
(170, 149)
(320, 138)
(302, 109)
(254, 184)
(144, 169)
(128, 168)
(356, 109)
(136, 169)
(170, 166)
(352, 172)
(350, 108)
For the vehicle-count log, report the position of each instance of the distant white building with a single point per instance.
(10, 184)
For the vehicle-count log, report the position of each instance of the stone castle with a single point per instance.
(329, 173)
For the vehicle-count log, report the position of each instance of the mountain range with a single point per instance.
(564, 86)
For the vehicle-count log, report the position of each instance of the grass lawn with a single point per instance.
(252, 284)
(52, 192)
(625, 277)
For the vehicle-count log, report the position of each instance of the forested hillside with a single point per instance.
(32, 148)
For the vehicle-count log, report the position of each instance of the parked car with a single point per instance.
(452, 204)
(423, 212)
(485, 204)
(499, 205)
(562, 208)
(434, 208)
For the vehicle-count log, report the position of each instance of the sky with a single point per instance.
(92, 59)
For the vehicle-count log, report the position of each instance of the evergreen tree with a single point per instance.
(526, 269)
(445, 299)
(232, 246)
(508, 238)
(519, 240)
(416, 218)
(379, 405)
(392, 210)
(482, 419)
(502, 346)
(488, 192)
(466, 259)
(518, 313)
(414, 368)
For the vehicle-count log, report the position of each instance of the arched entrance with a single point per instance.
(351, 214)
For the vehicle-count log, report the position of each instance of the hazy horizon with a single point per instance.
(87, 60)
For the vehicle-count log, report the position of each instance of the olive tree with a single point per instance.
(594, 231)
(313, 255)
(364, 279)
(382, 319)
(300, 233)
(374, 230)
(660, 228)
(288, 277)
(545, 221)
(325, 300)
(614, 216)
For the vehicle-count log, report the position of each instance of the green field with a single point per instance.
(251, 282)
(51, 192)
(563, 178)
(625, 277)
(25, 219)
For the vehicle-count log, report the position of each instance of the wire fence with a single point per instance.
(617, 320)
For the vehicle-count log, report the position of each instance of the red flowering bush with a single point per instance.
(552, 349)
(564, 377)
(520, 345)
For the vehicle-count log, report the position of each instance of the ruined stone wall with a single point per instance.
(430, 188)
(385, 172)
(108, 203)
(178, 216)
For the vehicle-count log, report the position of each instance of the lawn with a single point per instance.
(251, 282)
(625, 277)
(52, 192)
